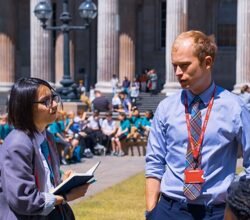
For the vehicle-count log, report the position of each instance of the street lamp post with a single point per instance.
(88, 12)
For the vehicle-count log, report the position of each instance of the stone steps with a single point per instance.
(145, 101)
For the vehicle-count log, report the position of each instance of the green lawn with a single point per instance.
(125, 201)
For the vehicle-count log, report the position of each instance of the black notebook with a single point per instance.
(77, 179)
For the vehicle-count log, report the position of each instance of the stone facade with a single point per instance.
(134, 35)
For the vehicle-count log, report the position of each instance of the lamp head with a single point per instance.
(43, 11)
(88, 10)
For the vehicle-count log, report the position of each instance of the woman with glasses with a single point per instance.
(29, 164)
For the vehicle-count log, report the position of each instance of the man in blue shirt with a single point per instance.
(190, 164)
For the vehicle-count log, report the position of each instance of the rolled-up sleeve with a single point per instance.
(156, 147)
(244, 138)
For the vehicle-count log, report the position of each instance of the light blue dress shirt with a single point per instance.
(228, 127)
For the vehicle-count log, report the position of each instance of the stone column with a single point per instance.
(127, 39)
(107, 43)
(243, 45)
(59, 59)
(7, 44)
(41, 47)
(176, 23)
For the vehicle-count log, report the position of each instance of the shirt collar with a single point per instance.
(204, 96)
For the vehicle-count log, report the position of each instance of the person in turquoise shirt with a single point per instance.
(124, 126)
(63, 143)
(63, 121)
(135, 121)
(56, 130)
(146, 122)
(5, 128)
(121, 134)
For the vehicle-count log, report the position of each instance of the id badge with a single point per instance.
(194, 176)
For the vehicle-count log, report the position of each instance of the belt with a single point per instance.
(210, 207)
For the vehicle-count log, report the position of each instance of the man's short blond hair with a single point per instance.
(203, 45)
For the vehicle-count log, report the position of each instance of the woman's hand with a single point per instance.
(77, 192)
(59, 200)
(67, 174)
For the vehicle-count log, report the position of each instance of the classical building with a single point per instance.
(127, 37)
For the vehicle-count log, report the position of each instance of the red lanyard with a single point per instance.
(196, 150)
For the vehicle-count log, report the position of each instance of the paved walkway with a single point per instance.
(111, 171)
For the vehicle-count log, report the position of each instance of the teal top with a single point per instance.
(135, 121)
(125, 124)
(62, 124)
(5, 130)
(54, 129)
(145, 122)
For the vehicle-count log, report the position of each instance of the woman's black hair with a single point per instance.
(20, 106)
(238, 198)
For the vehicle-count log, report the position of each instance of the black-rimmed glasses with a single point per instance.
(48, 101)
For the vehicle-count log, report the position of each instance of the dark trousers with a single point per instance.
(107, 142)
(169, 209)
(97, 136)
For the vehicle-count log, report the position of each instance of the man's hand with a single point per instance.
(152, 192)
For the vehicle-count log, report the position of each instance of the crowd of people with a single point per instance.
(147, 81)
(86, 134)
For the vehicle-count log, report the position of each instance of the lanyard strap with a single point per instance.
(196, 150)
(46, 152)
